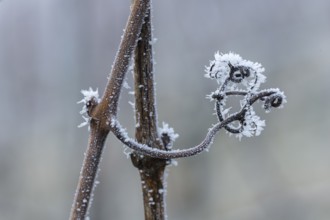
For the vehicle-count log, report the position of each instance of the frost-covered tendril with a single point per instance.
(239, 77)
(236, 77)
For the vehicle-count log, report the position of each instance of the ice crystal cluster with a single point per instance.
(239, 77)
(168, 135)
(90, 97)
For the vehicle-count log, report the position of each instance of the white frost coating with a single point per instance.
(132, 104)
(153, 41)
(252, 125)
(127, 151)
(88, 96)
(175, 162)
(283, 97)
(226, 111)
(113, 122)
(164, 191)
(166, 129)
(219, 69)
(86, 121)
(280, 94)
(121, 134)
(125, 85)
(121, 130)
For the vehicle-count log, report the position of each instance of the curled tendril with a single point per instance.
(239, 77)
(273, 101)
(236, 77)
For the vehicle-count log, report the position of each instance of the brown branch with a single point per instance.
(145, 109)
(88, 173)
(151, 170)
(101, 113)
(151, 155)
(109, 103)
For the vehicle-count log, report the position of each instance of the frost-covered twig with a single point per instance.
(109, 102)
(237, 77)
(121, 134)
(100, 112)
(90, 100)
(151, 170)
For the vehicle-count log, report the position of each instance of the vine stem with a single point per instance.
(151, 170)
(145, 149)
(103, 111)
(150, 154)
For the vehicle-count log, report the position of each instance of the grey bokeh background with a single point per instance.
(51, 49)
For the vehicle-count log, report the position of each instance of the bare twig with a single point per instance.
(101, 113)
(109, 103)
(151, 170)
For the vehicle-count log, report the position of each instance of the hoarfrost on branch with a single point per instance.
(236, 77)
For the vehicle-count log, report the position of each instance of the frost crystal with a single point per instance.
(232, 67)
(167, 130)
(125, 85)
(89, 95)
(252, 125)
(127, 151)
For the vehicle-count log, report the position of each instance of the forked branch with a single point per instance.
(100, 112)
(235, 76)
(109, 103)
(151, 170)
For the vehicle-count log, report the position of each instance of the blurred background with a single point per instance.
(51, 49)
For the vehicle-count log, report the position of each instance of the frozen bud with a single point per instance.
(276, 101)
(167, 135)
(90, 100)
(236, 74)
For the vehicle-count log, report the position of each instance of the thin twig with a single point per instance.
(151, 170)
(109, 102)
(102, 112)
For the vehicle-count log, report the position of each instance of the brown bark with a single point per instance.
(88, 173)
(151, 169)
(102, 113)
